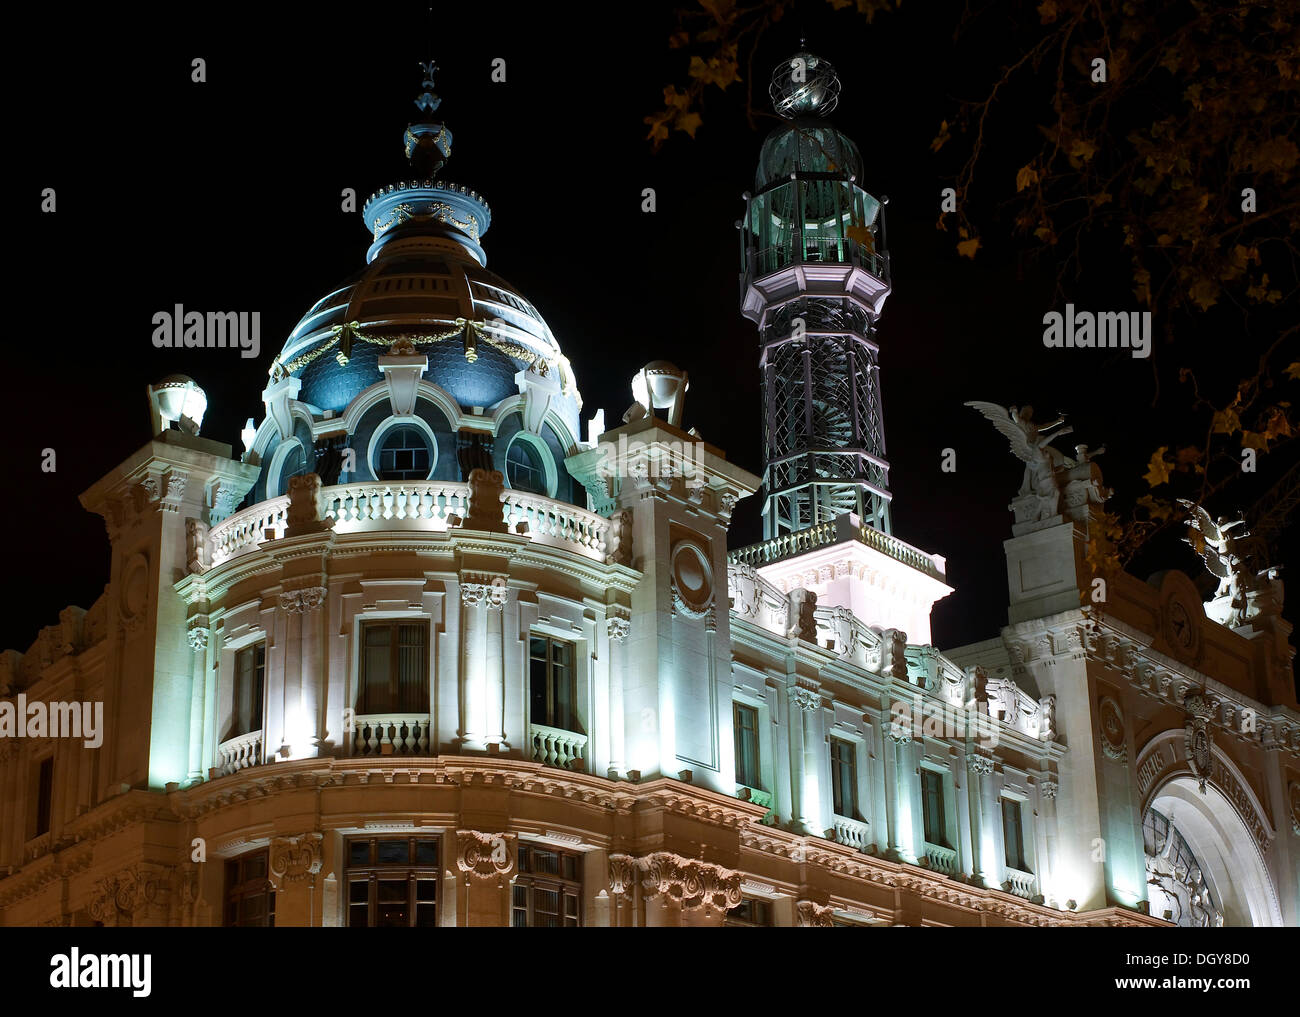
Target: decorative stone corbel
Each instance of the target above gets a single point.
(303, 600)
(196, 547)
(618, 624)
(486, 855)
(810, 914)
(620, 538)
(539, 386)
(294, 859)
(403, 367)
(277, 396)
(622, 873)
(689, 883)
(894, 660)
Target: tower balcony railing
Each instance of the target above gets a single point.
(787, 545)
(814, 251)
(431, 506)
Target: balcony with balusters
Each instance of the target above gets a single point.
(423, 506)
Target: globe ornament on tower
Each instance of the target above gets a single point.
(804, 86)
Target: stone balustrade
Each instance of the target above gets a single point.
(423, 505)
(941, 859)
(239, 753)
(850, 832)
(392, 734)
(1022, 884)
(426, 504)
(247, 528)
(556, 747)
(553, 522)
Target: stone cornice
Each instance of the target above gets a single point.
(1150, 673)
(218, 580)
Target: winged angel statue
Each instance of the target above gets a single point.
(1227, 558)
(1031, 443)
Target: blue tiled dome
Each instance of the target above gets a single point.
(419, 286)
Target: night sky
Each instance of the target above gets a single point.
(226, 196)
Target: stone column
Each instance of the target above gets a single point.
(494, 674)
(977, 767)
(473, 678)
(303, 672)
(1047, 789)
(198, 637)
(618, 625)
(804, 703)
(898, 736)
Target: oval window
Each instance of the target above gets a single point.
(404, 454)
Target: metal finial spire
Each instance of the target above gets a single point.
(428, 100)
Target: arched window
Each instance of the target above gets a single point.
(526, 468)
(404, 453)
(290, 460)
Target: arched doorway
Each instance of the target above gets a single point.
(1203, 865)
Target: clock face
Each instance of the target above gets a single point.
(1181, 626)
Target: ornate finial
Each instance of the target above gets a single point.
(428, 100)
(805, 85)
(427, 144)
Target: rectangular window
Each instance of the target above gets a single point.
(44, 795)
(1013, 835)
(745, 720)
(392, 882)
(552, 686)
(844, 778)
(394, 668)
(932, 808)
(250, 683)
(548, 889)
(250, 898)
(750, 912)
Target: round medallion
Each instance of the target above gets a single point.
(692, 580)
(1111, 722)
(135, 589)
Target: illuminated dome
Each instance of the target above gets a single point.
(424, 365)
(425, 285)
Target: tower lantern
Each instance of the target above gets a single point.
(815, 276)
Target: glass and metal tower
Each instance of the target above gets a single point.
(815, 276)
